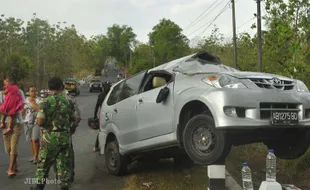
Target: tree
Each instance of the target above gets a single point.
(10, 38)
(142, 58)
(120, 38)
(168, 41)
(19, 67)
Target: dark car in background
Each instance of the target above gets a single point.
(95, 84)
(98, 72)
(72, 86)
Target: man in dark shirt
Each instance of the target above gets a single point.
(106, 88)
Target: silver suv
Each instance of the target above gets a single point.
(198, 106)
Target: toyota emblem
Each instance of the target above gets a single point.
(276, 81)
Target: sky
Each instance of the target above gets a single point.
(92, 17)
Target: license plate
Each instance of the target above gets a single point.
(284, 117)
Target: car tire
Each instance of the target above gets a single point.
(292, 147)
(115, 162)
(198, 152)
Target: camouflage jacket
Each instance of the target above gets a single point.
(57, 112)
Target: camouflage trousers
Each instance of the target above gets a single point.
(54, 148)
(71, 165)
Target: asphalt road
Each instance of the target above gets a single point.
(91, 172)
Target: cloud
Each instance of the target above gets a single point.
(144, 3)
(189, 6)
(93, 17)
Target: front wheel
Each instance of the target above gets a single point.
(203, 143)
(115, 162)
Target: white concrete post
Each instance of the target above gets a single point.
(216, 176)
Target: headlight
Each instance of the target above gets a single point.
(223, 81)
(301, 87)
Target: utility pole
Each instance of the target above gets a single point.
(130, 58)
(234, 33)
(152, 53)
(259, 35)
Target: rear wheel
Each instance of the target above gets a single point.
(115, 162)
(203, 143)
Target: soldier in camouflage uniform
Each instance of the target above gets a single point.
(55, 115)
(73, 128)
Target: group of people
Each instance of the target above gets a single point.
(49, 124)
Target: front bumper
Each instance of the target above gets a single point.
(251, 103)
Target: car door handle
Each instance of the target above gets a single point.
(140, 100)
(115, 110)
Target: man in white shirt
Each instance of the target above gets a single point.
(11, 140)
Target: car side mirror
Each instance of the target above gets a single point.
(162, 95)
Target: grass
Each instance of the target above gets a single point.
(295, 172)
(163, 176)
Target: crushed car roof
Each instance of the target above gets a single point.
(203, 57)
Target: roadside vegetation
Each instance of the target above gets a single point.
(288, 172)
(37, 49)
(164, 175)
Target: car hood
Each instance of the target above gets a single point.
(253, 75)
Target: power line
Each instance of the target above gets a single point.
(222, 11)
(246, 22)
(192, 23)
(209, 21)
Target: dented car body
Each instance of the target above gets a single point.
(200, 106)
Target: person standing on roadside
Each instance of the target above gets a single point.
(32, 130)
(106, 88)
(55, 115)
(11, 140)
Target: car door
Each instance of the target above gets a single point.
(122, 108)
(126, 108)
(154, 119)
(106, 112)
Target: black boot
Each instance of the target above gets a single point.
(38, 187)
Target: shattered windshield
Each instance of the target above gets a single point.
(198, 66)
